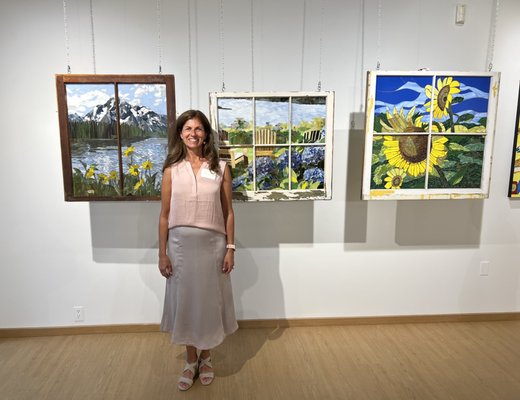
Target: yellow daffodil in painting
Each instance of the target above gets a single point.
(113, 175)
(394, 178)
(134, 170)
(147, 165)
(90, 173)
(138, 184)
(103, 178)
(409, 152)
(398, 122)
(129, 150)
(442, 96)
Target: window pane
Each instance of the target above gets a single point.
(456, 161)
(240, 159)
(271, 170)
(308, 116)
(272, 120)
(235, 119)
(93, 139)
(143, 119)
(460, 103)
(400, 104)
(399, 161)
(308, 163)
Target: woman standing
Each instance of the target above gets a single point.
(196, 246)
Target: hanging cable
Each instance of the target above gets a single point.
(252, 46)
(159, 26)
(67, 40)
(221, 28)
(303, 42)
(93, 38)
(189, 54)
(379, 13)
(321, 44)
(492, 34)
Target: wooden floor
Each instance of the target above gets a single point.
(474, 361)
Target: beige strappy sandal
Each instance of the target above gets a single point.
(206, 377)
(185, 383)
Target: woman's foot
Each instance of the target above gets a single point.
(188, 375)
(206, 373)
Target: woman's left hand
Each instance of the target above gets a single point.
(229, 261)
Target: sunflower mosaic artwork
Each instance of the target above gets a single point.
(429, 135)
(514, 187)
(278, 145)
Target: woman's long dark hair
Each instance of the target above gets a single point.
(177, 149)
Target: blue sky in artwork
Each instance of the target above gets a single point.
(408, 91)
(82, 97)
(272, 112)
(231, 109)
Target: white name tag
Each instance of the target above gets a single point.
(207, 173)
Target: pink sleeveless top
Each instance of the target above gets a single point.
(195, 200)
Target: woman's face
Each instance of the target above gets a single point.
(193, 134)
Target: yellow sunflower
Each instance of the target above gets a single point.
(147, 165)
(138, 184)
(113, 175)
(90, 173)
(103, 178)
(134, 170)
(394, 178)
(442, 96)
(398, 122)
(409, 152)
(129, 150)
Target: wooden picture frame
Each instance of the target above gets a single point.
(278, 144)
(114, 133)
(514, 179)
(429, 134)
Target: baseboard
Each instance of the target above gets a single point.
(265, 323)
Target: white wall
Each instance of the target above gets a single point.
(343, 257)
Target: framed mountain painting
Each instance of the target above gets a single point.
(278, 144)
(114, 134)
(429, 134)
(514, 187)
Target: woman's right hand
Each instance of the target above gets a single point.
(165, 266)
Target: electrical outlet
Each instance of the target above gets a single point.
(484, 268)
(79, 314)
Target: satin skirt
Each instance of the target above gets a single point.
(198, 303)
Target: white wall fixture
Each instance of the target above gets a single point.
(429, 134)
(460, 14)
(278, 144)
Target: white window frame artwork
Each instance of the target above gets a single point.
(292, 185)
(453, 132)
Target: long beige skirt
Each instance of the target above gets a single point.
(198, 304)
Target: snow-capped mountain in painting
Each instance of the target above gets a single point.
(133, 115)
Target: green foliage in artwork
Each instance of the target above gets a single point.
(138, 180)
(462, 167)
(273, 172)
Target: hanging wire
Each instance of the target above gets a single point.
(159, 26)
(221, 28)
(93, 38)
(189, 54)
(492, 35)
(67, 40)
(303, 42)
(379, 13)
(321, 44)
(252, 46)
